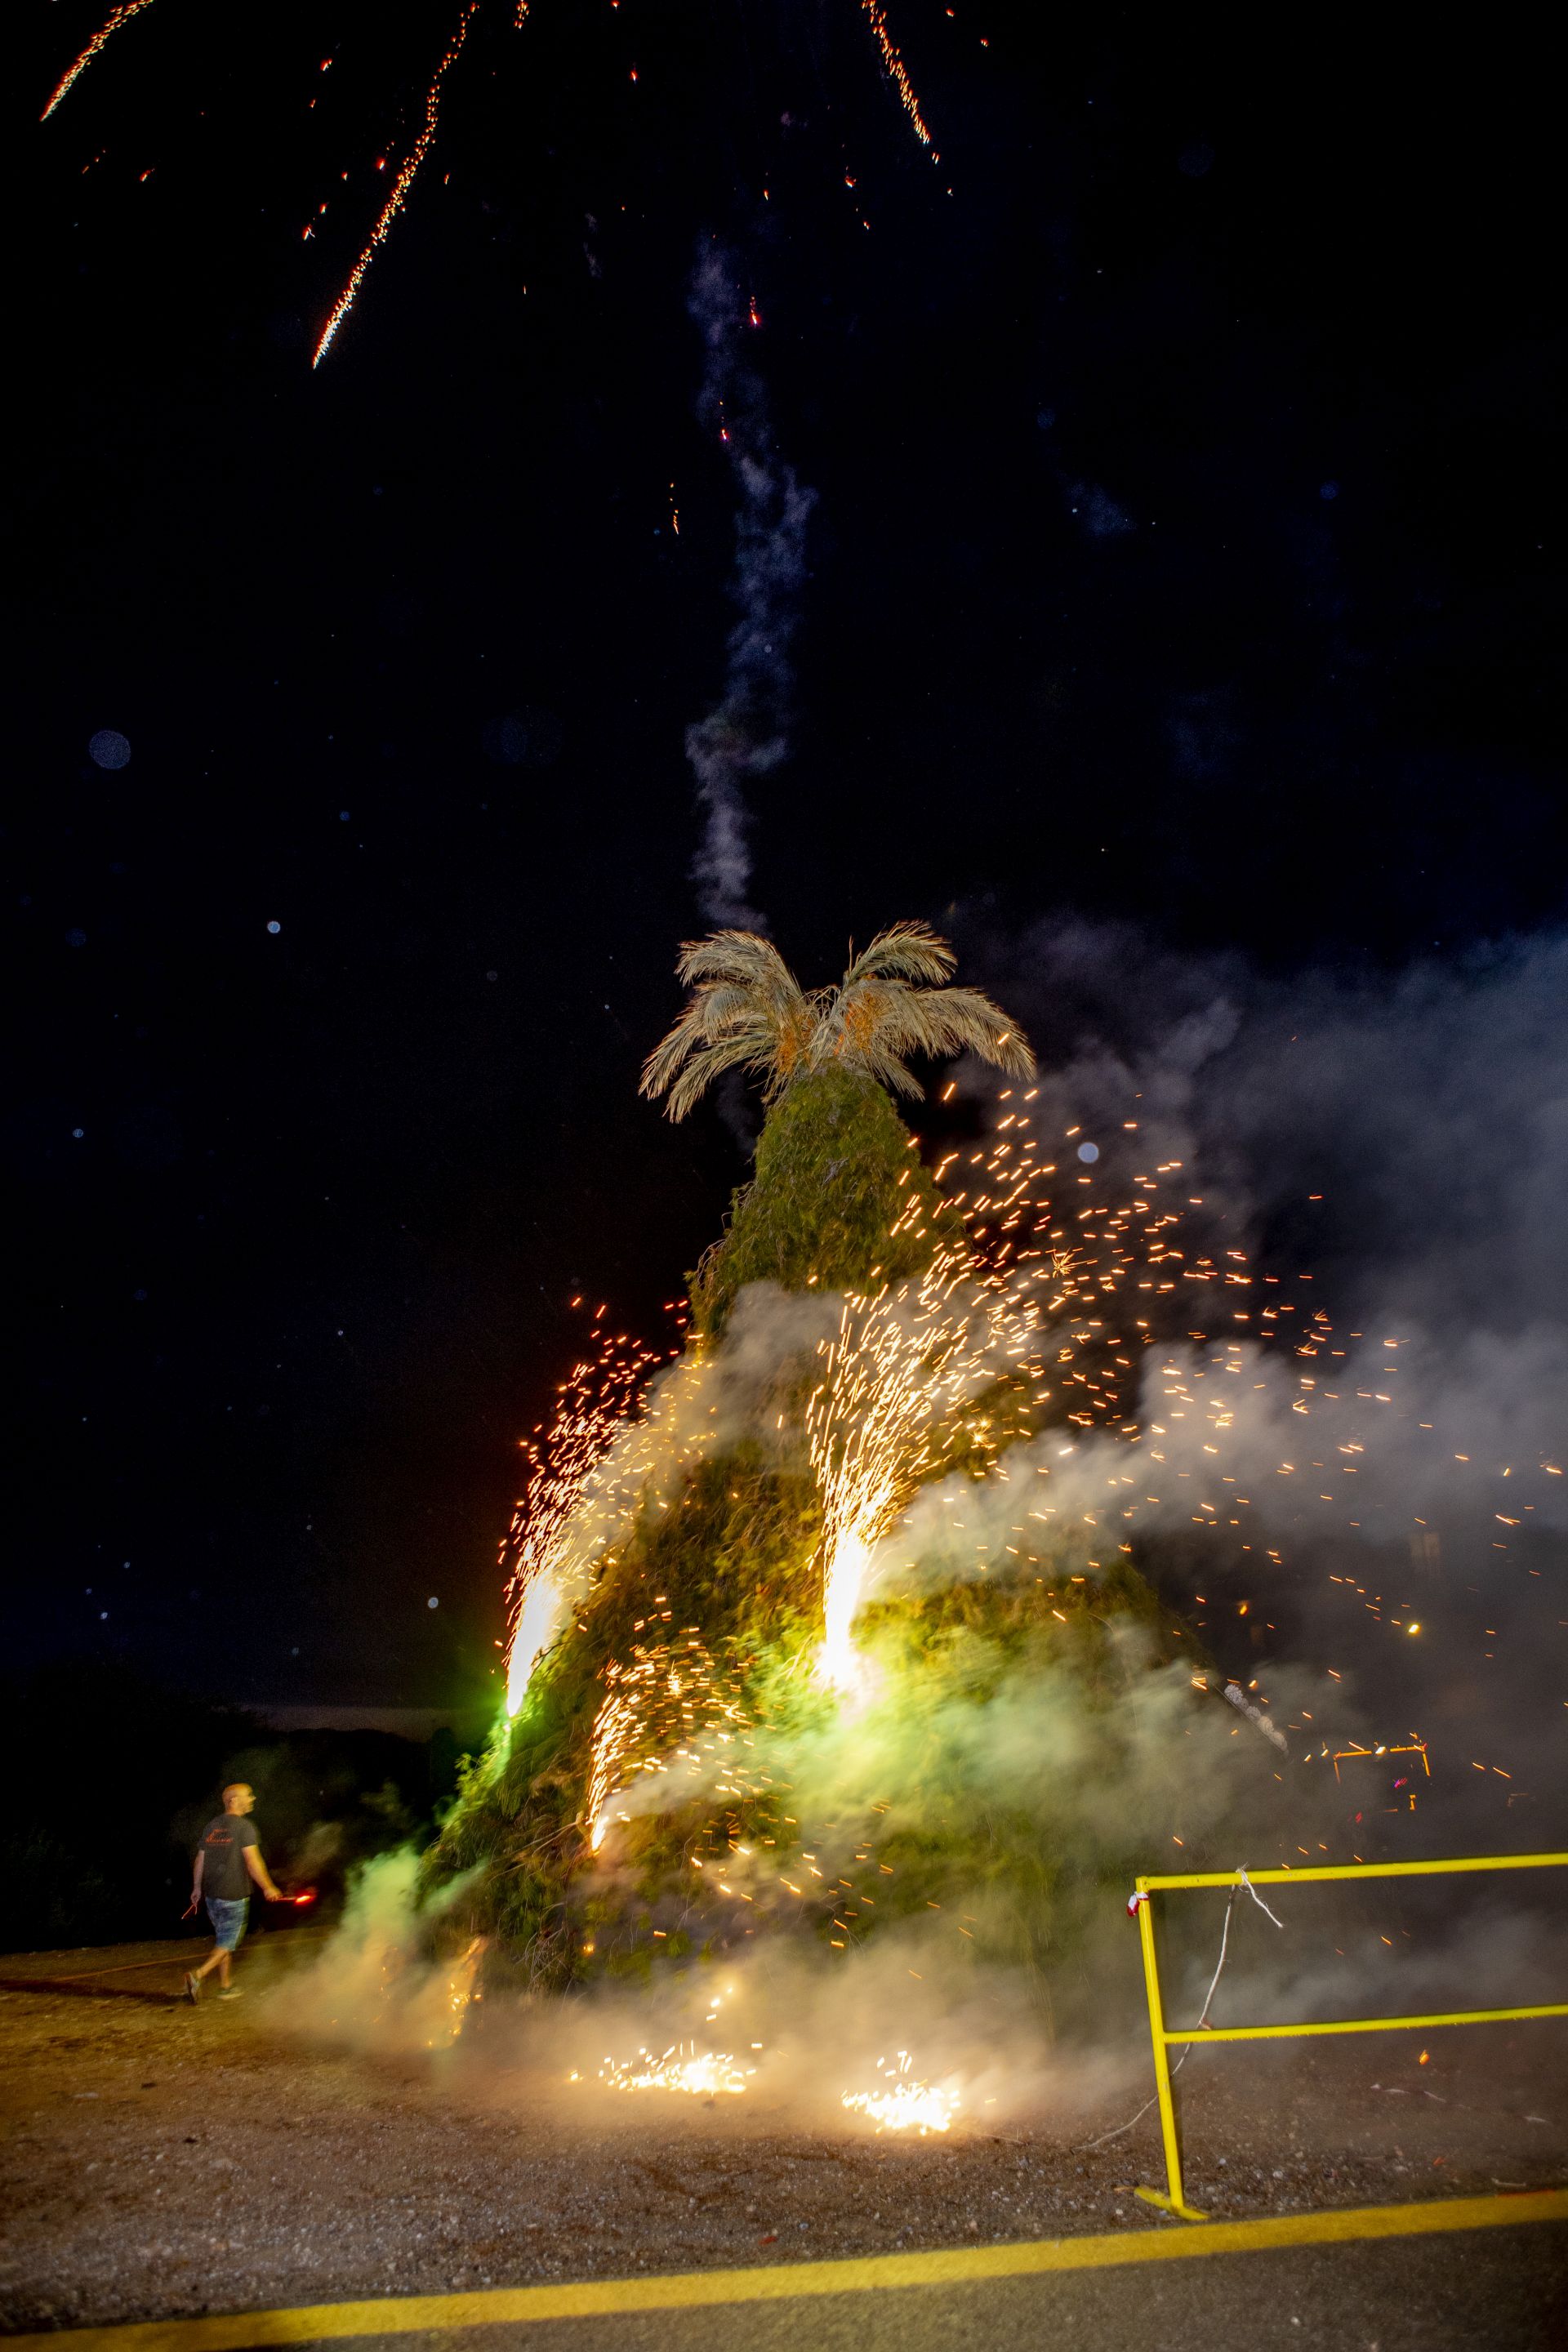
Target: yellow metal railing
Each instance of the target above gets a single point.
(1174, 2200)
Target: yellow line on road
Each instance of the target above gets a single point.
(784, 2282)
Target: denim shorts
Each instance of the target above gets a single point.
(228, 1920)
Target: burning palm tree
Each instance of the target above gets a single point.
(748, 1012)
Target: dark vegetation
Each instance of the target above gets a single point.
(110, 1778)
(835, 1168)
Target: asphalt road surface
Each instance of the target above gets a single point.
(166, 2165)
(1491, 2291)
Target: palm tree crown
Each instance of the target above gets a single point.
(748, 1012)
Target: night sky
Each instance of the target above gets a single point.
(1181, 443)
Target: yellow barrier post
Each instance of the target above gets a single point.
(1174, 2202)
(1233, 1880)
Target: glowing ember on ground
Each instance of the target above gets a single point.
(904, 2105)
(702, 2073)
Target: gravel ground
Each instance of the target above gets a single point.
(162, 2160)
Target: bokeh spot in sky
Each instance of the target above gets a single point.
(109, 748)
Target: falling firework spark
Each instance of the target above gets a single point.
(120, 16)
(1081, 1261)
(401, 186)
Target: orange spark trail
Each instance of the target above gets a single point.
(897, 74)
(401, 186)
(120, 16)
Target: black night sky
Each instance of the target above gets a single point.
(1182, 558)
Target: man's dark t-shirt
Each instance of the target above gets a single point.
(224, 1872)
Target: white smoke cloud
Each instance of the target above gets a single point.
(745, 734)
(1393, 1147)
(1404, 1138)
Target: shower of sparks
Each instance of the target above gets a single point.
(704, 2074)
(1068, 1269)
(1118, 1271)
(595, 1401)
(902, 2104)
(666, 1712)
(1081, 1255)
(877, 17)
(898, 1363)
(401, 186)
(120, 16)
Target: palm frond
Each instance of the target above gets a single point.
(710, 1063)
(689, 1031)
(875, 1020)
(747, 1010)
(903, 951)
(946, 1020)
(743, 957)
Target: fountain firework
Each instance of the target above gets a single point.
(598, 1399)
(902, 1362)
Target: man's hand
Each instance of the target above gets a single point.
(260, 1876)
(194, 1905)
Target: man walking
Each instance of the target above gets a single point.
(227, 1860)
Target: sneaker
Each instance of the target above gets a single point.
(193, 1986)
(231, 1992)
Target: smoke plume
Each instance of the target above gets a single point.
(1343, 1491)
(745, 734)
(1390, 1146)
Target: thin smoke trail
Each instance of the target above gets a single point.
(745, 734)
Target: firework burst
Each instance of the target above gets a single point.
(874, 10)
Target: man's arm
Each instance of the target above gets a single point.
(260, 1873)
(197, 1869)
